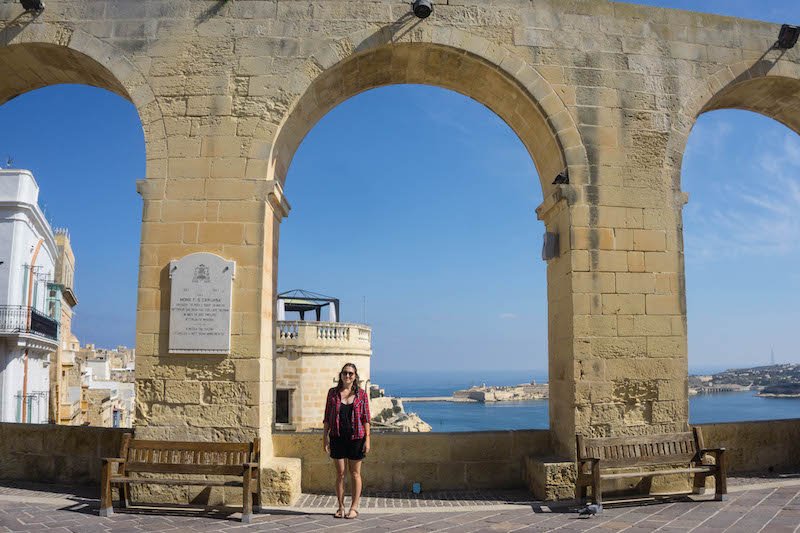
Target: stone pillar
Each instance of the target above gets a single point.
(211, 397)
(629, 315)
(616, 300)
(208, 397)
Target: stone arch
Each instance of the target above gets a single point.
(444, 57)
(37, 55)
(767, 87)
(490, 74)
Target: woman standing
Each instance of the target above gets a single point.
(346, 434)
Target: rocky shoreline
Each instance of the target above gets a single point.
(781, 391)
(389, 414)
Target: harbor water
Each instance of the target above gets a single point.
(474, 416)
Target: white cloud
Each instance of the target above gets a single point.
(756, 213)
(508, 316)
(709, 139)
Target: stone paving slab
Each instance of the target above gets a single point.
(772, 509)
(22, 490)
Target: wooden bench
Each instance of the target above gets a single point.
(199, 458)
(596, 456)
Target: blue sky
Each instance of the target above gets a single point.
(421, 200)
(85, 147)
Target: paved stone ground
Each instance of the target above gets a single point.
(407, 500)
(771, 507)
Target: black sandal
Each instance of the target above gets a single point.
(351, 511)
(339, 513)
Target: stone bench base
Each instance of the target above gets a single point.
(550, 478)
(280, 481)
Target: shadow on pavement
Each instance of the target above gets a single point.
(92, 507)
(573, 506)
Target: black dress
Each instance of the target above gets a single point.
(344, 446)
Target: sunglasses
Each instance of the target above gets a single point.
(346, 373)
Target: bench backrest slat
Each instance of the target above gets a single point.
(639, 450)
(175, 457)
(182, 468)
(189, 445)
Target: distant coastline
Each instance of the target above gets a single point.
(430, 397)
(436, 399)
(772, 381)
(487, 394)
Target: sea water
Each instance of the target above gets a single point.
(474, 416)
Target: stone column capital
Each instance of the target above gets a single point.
(150, 188)
(277, 200)
(559, 193)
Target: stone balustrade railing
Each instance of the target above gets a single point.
(323, 335)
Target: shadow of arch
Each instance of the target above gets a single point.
(457, 61)
(41, 55)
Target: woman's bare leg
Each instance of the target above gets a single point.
(355, 478)
(340, 471)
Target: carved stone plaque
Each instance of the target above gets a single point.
(200, 304)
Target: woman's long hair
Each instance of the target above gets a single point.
(356, 381)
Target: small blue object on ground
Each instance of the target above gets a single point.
(416, 488)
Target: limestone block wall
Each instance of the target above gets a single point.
(767, 446)
(227, 90)
(49, 453)
(52, 453)
(455, 461)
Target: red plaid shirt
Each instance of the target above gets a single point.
(361, 414)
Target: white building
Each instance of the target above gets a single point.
(100, 368)
(28, 336)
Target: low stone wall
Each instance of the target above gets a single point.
(49, 453)
(764, 446)
(492, 459)
(458, 461)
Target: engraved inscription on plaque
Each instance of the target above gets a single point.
(200, 304)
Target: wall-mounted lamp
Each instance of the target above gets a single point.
(32, 5)
(422, 8)
(787, 37)
(562, 178)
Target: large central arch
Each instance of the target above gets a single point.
(517, 94)
(512, 89)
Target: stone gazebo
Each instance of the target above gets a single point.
(309, 356)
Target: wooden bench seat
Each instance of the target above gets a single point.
(599, 458)
(183, 458)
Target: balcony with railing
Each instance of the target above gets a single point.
(32, 328)
(324, 337)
